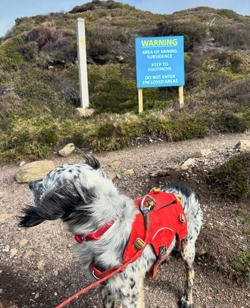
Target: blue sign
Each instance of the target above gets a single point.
(160, 61)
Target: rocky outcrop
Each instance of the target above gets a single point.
(34, 171)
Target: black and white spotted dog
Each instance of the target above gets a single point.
(86, 201)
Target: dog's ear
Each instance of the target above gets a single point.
(31, 217)
(91, 161)
(55, 204)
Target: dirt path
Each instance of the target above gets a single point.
(39, 267)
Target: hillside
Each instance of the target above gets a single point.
(39, 79)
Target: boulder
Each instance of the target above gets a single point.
(67, 150)
(34, 171)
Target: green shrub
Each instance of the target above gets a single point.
(11, 55)
(237, 92)
(231, 36)
(228, 122)
(98, 45)
(111, 137)
(228, 14)
(231, 180)
(41, 35)
(30, 50)
(193, 31)
(48, 136)
(241, 263)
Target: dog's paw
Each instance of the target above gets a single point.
(185, 304)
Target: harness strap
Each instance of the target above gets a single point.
(94, 236)
(99, 275)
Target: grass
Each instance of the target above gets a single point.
(104, 132)
(241, 263)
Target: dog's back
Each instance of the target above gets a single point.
(191, 206)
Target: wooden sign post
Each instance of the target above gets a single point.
(140, 100)
(181, 96)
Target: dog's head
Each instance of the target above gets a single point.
(67, 192)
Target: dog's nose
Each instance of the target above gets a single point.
(31, 185)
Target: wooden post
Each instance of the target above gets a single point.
(82, 63)
(140, 100)
(181, 96)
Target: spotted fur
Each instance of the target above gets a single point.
(85, 200)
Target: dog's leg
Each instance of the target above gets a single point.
(188, 255)
(135, 296)
(141, 301)
(131, 295)
(107, 298)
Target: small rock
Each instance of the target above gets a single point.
(6, 249)
(29, 253)
(120, 58)
(202, 153)
(4, 217)
(129, 172)
(189, 162)
(82, 112)
(22, 163)
(40, 264)
(23, 242)
(115, 164)
(112, 176)
(13, 252)
(67, 150)
(243, 145)
(118, 176)
(2, 193)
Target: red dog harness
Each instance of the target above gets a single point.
(161, 216)
(167, 223)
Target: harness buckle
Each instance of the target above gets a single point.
(156, 190)
(182, 218)
(93, 274)
(139, 243)
(147, 203)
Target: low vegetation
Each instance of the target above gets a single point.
(241, 263)
(231, 181)
(39, 88)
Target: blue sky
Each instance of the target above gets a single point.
(12, 9)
